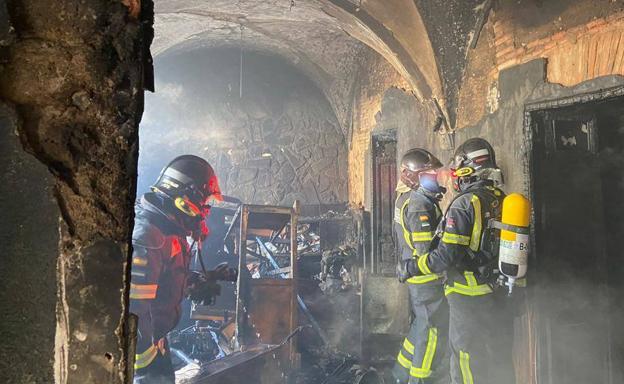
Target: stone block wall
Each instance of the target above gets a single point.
(278, 142)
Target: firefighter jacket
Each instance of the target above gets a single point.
(459, 251)
(160, 264)
(416, 217)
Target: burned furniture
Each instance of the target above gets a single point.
(266, 306)
(265, 312)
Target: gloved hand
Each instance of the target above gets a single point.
(224, 273)
(202, 289)
(407, 269)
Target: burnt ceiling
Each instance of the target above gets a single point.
(328, 39)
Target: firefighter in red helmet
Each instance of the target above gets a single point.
(174, 210)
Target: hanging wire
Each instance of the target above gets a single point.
(240, 78)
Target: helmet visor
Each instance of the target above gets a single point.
(214, 190)
(429, 180)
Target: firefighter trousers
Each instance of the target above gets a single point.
(159, 371)
(481, 337)
(423, 357)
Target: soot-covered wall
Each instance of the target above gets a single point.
(520, 87)
(30, 239)
(197, 109)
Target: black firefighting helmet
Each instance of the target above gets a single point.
(414, 162)
(191, 182)
(474, 160)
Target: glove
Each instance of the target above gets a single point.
(407, 269)
(201, 289)
(224, 273)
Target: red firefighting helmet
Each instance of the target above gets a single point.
(191, 182)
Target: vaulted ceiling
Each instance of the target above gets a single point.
(327, 39)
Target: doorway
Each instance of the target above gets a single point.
(578, 195)
(384, 179)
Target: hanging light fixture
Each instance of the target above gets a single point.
(266, 153)
(240, 77)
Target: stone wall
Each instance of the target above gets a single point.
(279, 142)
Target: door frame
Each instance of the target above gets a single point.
(531, 348)
(389, 136)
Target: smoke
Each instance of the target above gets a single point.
(281, 141)
(576, 271)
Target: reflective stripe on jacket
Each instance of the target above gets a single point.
(160, 264)
(415, 220)
(459, 250)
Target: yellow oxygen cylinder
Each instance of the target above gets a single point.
(513, 253)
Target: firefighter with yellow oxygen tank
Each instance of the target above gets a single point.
(481, 322)
(422, 358)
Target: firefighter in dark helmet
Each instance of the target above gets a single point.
(422, 357)
(174, 210)
(479, 333)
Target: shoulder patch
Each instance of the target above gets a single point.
(450, 222)
(147, 235)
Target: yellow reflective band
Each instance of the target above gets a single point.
(470, 279)
(139, 261)
(464, 366)
(475, 238)
(406, 234)
(466, 291)
(409, 347)
(144, 359)
(422, 236)
(405, 363)
(472, 287)
(401, 188)
(423, 279)
(422, 264)
(452, 238)
(143, 291)
(425, 369)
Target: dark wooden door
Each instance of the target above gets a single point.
(384, 179)
(572, 299)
